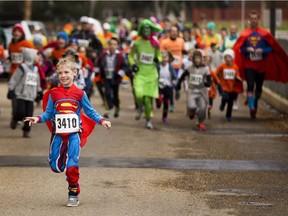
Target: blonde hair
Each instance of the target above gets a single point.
(68, 61)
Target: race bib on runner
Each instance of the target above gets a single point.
(66, 123)
(176, 60)
(229, 74)
(31, 79)
(196, 79)
(255, 56)
(83, 42)
(16, 58)
(146, 58)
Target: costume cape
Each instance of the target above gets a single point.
(277, 60)
(87, 123)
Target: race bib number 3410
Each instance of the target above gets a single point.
(66, 123)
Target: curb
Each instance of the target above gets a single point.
(278, 102)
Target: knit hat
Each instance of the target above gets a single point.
(211, 26)
(229, 52)
(74, 40)
(62, 35)
(19, 28)
(29, 55)
(84, 19)
(37, 40)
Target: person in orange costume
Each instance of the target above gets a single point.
(228, 74)
(15, 46)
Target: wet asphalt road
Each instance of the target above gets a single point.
(234, 168)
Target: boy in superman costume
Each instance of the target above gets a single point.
(69, 127)
(259, 57)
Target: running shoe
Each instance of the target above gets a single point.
(201, 127)
(73, 201)
(13, 124)
(116, 113)
(222, 107)
(235, 106)
(191, 115)
(26, 134)
(171, 108)
(139, 112)
(165, 120)
(149, 124)
(209, 113)
(253, 113)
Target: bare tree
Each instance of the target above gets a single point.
(27, 10)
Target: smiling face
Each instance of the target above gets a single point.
(17, 34)
(66, 72)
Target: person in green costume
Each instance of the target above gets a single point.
(144, 53)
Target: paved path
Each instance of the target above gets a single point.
(234, 168)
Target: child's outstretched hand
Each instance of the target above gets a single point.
(106, 124)
(31, 120)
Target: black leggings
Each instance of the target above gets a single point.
(24, 108)
(228, 97)
(254, 78)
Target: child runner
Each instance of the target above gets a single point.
(199, 79)
(228, 73)
(112, 65)
(67, 125)
(212, 90)
(167, 79)
(24, 86)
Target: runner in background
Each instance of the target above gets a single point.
(141, 58)
(176, 46)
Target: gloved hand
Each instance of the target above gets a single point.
(11, 94)
(134, 68)
(39, 96)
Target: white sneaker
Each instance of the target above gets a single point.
(149, 125)
(139, 112)
(73, 201)
(235, 106)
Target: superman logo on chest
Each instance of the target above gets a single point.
(254, 40)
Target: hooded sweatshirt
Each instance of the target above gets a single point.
(25, 80)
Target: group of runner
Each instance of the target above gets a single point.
(157, 57)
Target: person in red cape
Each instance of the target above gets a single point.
(259, 57)
(63, 107)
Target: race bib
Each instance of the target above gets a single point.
(146, 58)
(162, 83)
(229, 74)
(83, 42)
(196, 79)
(255, 56)
(176, 60)
(16, 58)
(31, 79)
(66, 123)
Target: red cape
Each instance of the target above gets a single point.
(87, 123)
(277, 60)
